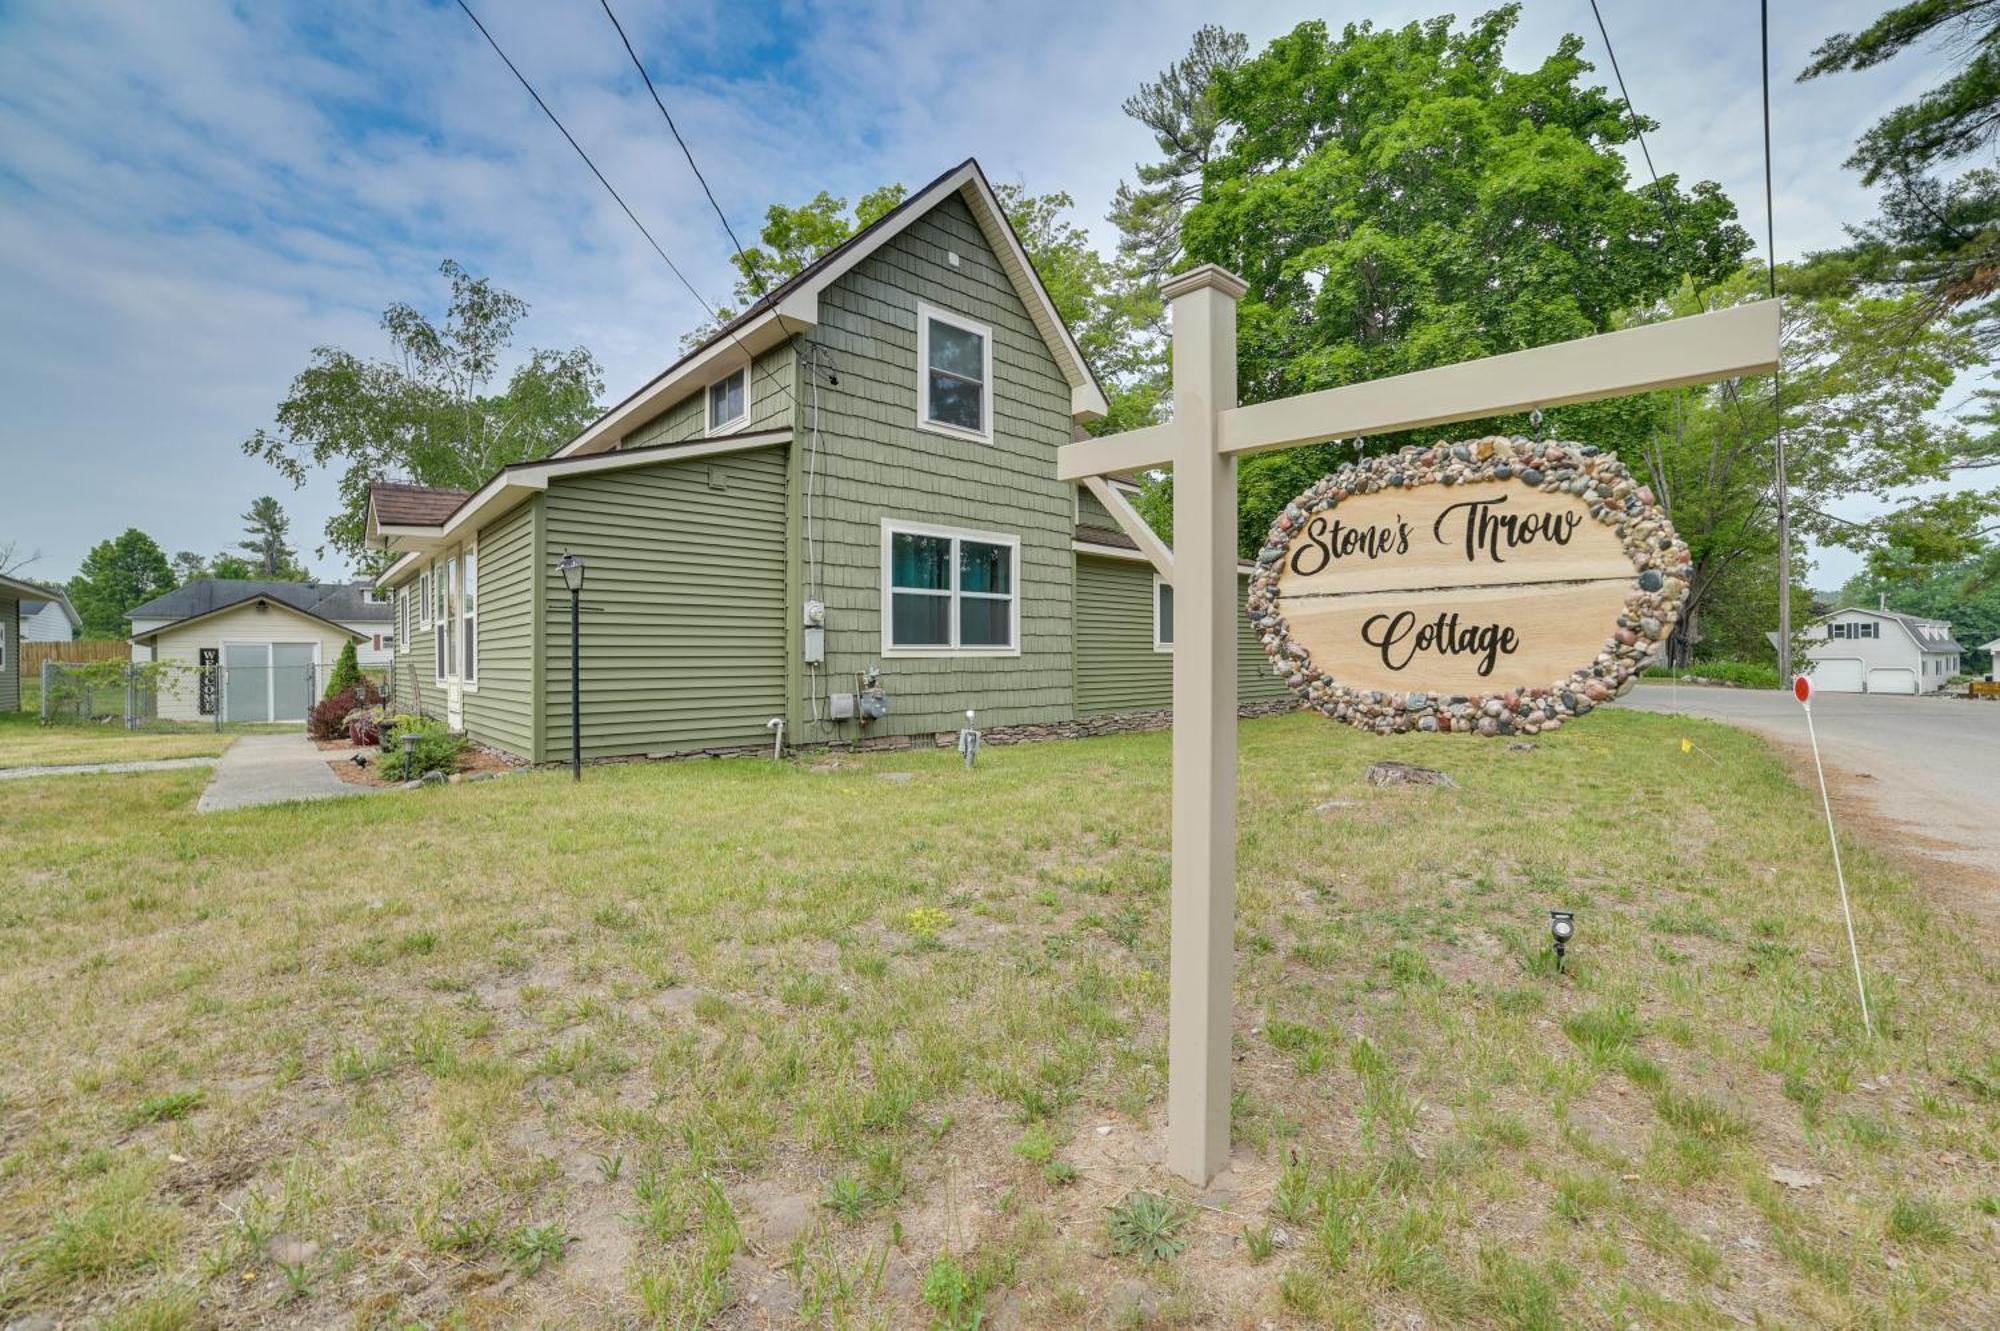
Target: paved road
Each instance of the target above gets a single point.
(1934, 762)
(271, 769)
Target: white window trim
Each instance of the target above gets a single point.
(424, 599)
(440, 628)
(926, 313)
(1159, 582)
(741, 422)
(891, 527)
(468, 624)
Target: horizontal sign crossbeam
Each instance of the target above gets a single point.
(1703, 348)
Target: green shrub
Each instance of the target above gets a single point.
(346, 673)
(437, 749)
(1743, 674)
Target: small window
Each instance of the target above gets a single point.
(949, 593)
(1839, 630)
(1163, 615)
(469, 615)
(729, 402)
(954, 374)
(424, 599)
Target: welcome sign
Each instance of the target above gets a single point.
(1497, 586)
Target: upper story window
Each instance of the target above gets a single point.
(1163, 614)
(954, 375)
(949, 593)
(729, 402)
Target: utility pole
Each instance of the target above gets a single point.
(1777, 380)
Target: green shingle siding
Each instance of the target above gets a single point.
(684, 630)
(874, 462)
(501, 710)
(1090, 513)
(770, 405)
(10, 646)
(1117, 669)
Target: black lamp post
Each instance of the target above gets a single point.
(571, 568)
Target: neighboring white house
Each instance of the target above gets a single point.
(258, 651)
(1879, 651)
(53, 620)
(1992, 650)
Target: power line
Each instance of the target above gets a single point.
(723, 217)
(585, 156)
(1616, 73)
(1778, 381)
(522, 78)
(750, 273)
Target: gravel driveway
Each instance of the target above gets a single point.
(1933, 763)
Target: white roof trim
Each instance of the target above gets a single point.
(525, 478)
(799, 309)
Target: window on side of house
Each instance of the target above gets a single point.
(469, 615)
(954, 375)
(949, 593)
(729, 402)
(1163, 614)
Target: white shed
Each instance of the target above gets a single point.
(1853, 650)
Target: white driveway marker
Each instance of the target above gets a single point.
(1802, 690)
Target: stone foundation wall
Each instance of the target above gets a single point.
(1089, 727)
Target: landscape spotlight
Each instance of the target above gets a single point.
(1562, 927)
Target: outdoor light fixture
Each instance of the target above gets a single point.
(571, 568)
(1562, 928)
(409, 752)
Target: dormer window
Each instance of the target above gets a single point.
(954, 375)
(729, 402)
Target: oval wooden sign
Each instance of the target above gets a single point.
(1497, 586)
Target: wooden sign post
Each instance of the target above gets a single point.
(1201, 444)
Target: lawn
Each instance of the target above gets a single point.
(26, 742)
(875, 1041)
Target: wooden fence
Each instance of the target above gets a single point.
(83, 649)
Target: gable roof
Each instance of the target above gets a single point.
(335, 602)
(794, 304)
(29, 608)
(268, 602)
(33, 596)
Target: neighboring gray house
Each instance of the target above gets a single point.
(1879, 651)
(52, 620)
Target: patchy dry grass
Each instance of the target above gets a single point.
(25, 742)
(739, 1044)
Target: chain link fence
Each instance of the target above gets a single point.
(217, 693)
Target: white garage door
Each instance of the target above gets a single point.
(1888, 679)
(1840, 674)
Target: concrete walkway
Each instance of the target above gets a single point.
(272, 769)
(92, 769)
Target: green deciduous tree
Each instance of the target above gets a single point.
(119, 573)
(1399, 199)
(267, 541)
(429, 414)
(1861, 393)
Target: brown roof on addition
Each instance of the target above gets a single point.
(1090, 535)
(398, 504)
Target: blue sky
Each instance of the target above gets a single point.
(194, 195)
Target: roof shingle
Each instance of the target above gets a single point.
(399, 504)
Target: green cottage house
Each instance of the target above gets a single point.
(841, 511)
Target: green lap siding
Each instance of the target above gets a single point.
(871, 461)
(770, 405)
(500, 709)
(683, 638)
(1117, 669)
(10, 647)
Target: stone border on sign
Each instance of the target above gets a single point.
(1660, 564)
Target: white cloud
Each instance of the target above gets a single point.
(193, 196)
